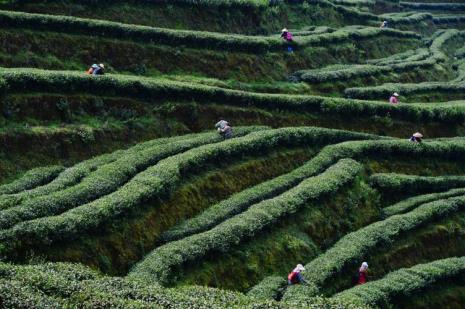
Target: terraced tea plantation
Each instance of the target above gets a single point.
(116, 190)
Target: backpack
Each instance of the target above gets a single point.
(355, 278)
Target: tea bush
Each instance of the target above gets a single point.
(404, 282)
(31, 179)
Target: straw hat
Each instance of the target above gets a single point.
(395, 94)
(418, 134)
(284, 30)
(102, 65)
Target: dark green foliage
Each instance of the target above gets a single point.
(20, 80)
(384, 91)
(123, 204)
(225, 3)
(242, 200)
(155, 181)
(393, 184)
(196, 39)
(160, 264)
(270, 288)
(448, 19)
(411, 55)
(59, 285)
(357, 245)
(411, 203)
(404, 282)
(105, 180)
(434, 6)
(417, 61)
(74, 175)
(454, 87)
(33, 178)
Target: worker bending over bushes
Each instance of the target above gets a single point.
(394, 99)
(287, 36)
(224, 128)
(96, 69)
(295, 276)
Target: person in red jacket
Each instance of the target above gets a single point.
(363, 273)
(296, 275)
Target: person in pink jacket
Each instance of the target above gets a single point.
(394, 99)
(287, 36)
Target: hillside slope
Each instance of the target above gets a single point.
(116, 190)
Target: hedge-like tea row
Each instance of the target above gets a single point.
(393, 19)
(239, 202)
(73, 175)
(452, 149)
(226, 3)
(158, 266)
(449, 19)
(146, 34)
(384, 91)
(313, 30)
(455, 86)
(195, 39)
(31, 179)
(354, 33)
(391, 183)
(71, 224)
(104, 180)
(360, 71)
(355, 2)
(437, 45)
(411, 203)
(269, 288)
(422, 61)
(68, 177)
(435, 50)
(461, 71)
(411, 55)
(404, 282)
(359, 149)
(354, 71)
(349, 12)
(373, 19)
(403, 19)
(460, 53)
(59, 285)
(434, 6)
(30, 80)
(66, 284)
(156, 181)
(449, 149)
(355, 246)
